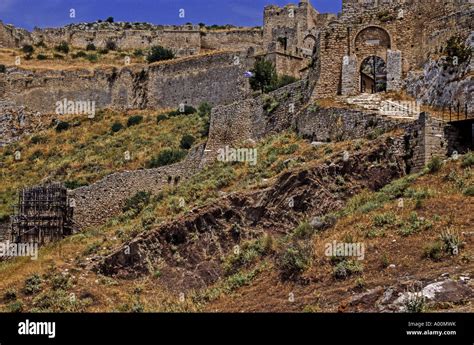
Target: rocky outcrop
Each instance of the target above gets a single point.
(16, 121)
(397, 298)
(441, 84)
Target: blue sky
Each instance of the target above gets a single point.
(53, 13)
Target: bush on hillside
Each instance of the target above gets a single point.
(158, 53)
(63, 47)
(28, 49)
(187, 141)
(166, 157)
(134, 120)
(90, 46)
(116, 127)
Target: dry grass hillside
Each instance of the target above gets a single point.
(79, 151)
(406, 244)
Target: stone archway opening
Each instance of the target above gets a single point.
(373, 75)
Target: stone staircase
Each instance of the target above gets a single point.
(406, 110)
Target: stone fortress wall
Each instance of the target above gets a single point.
(167, 84)
(183, 40)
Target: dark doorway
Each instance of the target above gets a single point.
(373, 75)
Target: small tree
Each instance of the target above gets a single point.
(28, 49)
(264, 76)
(204, 109)
(110, 20)
(90, 46)
(63, 47)
(110, 45)
(457, 50)
(187, 141)
(158, 53)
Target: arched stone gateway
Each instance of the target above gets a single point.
(369, 42)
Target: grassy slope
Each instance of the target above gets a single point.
(257, 286)
(74, 252)
(433, 203)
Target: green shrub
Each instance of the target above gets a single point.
(28, 49)
(15, 307)
(58, 56)
(79, 54)
(415, 303)
(347, 268)
(385, 16)
(384, 219)
(166, 157)
(456, 48)
(41, 57)
(187, 141)
(92, 57)
(433, 251)
(187, 110)
(249, 252)
(161, 117)
(451, 242)
(435, 164)
(134, 120)
(110, 45)
(285, 80)
(38, 139)
(63, 47)
(110, 20)
(3, 68)
(303, 230)
(294, 260)
(158, 53)
(469, 191)
(116, 127)
(270, 104)
(32, 284)
(103, 51)
(90, 46)
(62, 126)
(10, 295)
(264, 76)
(204, 110)
(138, 53)
(468, 160)
(137, 202)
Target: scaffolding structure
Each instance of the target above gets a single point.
(43, 215)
